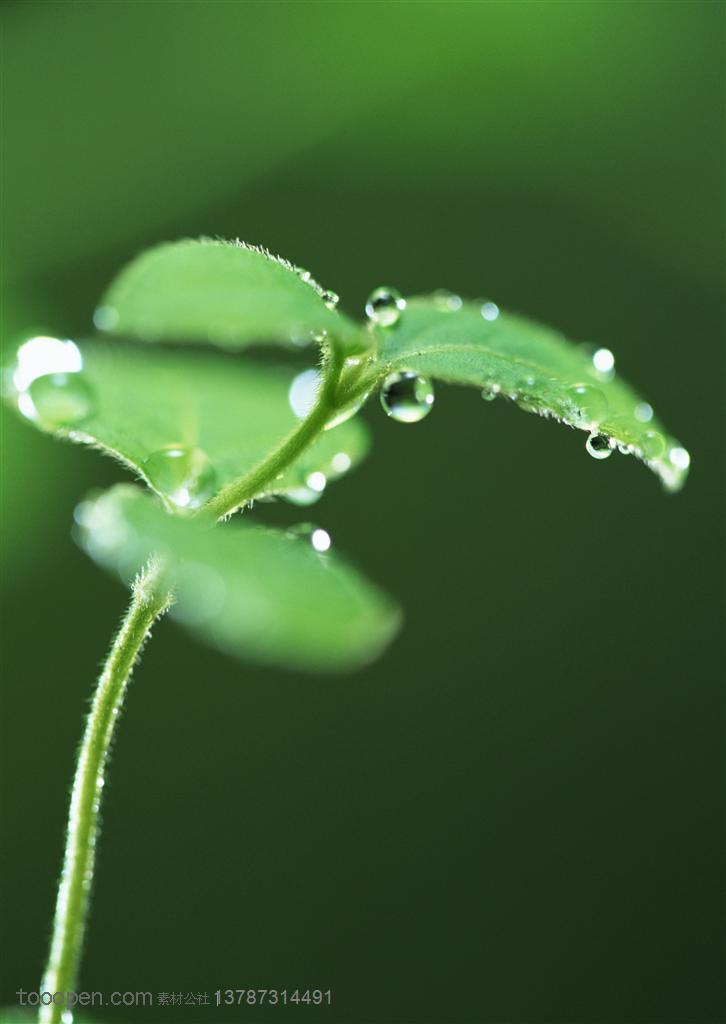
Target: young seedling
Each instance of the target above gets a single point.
(209, 433)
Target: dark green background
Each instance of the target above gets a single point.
(517, 815)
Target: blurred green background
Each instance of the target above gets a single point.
(517, 815)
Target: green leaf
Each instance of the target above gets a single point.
(222, 415)
(533, 365)
(248, 590)
(227, 293)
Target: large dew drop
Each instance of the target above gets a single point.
(384, 307)
(599, 446)
(590, 404)
(407, 397)
(184, 475)
(59, 399)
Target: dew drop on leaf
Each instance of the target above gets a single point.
(599, 446)
(105, 318)
(590, 404)
(652, 444)
(604, 362)
(182, 474)
(330, 299)
(316, 481)
(384, 306)
(302, 496)
(42, 355)
(341, 462)
(490, 310)
(407, 397)
(643, 412)
(680, 457)
(490, 392)
(317, 537)
(303, 392)
(447, 302)
(59, 399)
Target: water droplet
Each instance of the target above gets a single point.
(43, 355)
(407, 397)
(302, 496)
(384, 306)
(182, 474)
(679, 457)
(330, 299)
(105, 318)
(490, 310)
(599, 446)
(652, 444)
(318, 538)
(643, 412)
(59, 399)
(316, 481)
(604, 362)
(303, 392)
(447, 302)
(490, 392)
(341, 462)
(590, 403)
(303, 274)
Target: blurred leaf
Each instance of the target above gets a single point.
(533, 365)
(247, 590)
(187, 422)
(227, 293)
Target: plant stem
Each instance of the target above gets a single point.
(150, 600)
(237, 494)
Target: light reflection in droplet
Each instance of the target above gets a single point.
(105, 318)
(490, 311)
(341, 462)
(302, 496)
(43, 355)
(304, 392)
(643, 412)
(680, 457)
(604, 361)
(447, 302)
(316, 482)
(320, 540)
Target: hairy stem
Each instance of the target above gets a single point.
(237, 494)
(150, 600)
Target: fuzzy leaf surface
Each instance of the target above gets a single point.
(145, 400)
(533, 365)
(226, 293)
